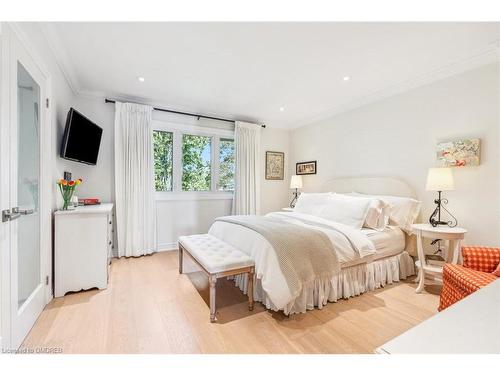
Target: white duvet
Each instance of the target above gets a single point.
(350, 244)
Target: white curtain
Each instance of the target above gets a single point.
(247, 174)
(134, 180)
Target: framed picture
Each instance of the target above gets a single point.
(460, 153)
(305, 167)
(275, 165)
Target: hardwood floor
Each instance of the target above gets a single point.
(150, 308)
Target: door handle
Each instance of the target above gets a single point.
(24, 212)
(9, 216)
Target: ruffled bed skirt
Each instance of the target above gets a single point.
(350, 282)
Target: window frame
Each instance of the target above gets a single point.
(178, 130)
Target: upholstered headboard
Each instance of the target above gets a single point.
(378, 186)
(370, 185)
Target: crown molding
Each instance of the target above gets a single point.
(487, 56)
(17, 28)
(57, 48)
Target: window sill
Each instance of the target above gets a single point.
(193, 196)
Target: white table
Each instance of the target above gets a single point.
(470, 326)
(454, 236)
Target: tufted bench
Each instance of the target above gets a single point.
(217, 259)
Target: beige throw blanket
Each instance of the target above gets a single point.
(304, 254)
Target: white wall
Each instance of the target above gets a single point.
(174, 218)
(98, 180)
(397, 137)
(275, 194)
(62, 97)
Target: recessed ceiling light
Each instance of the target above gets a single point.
(140, 79)
(282, 109)
(346, 78)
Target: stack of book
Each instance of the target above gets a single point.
(434, 260)
(88, 201)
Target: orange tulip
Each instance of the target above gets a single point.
(64, 182)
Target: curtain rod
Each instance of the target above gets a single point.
(185, 113)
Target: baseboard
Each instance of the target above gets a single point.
(166, 246)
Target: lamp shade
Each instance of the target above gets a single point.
(296, 182)
(440, 179)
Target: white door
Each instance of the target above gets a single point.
(25, 216)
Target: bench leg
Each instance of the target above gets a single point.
(250, 289)
(213, 283)
(181, 250)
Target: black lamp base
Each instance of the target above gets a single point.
(437, 213)
(294, 200)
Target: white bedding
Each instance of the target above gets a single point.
(350, 244)
(389, 242)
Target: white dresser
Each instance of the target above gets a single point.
(83, 248)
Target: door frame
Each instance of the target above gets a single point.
(7, 32)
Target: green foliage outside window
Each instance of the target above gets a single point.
(163, 155)
(196, 166)
(226, 164)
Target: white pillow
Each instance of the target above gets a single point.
(345, 209)
(311, 203)
(378, 213)
(403, 211)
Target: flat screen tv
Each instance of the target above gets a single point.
(81, 139)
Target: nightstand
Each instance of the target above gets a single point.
(453, 235)
(287, 209)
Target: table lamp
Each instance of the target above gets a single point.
(440, 179)
(295, 183)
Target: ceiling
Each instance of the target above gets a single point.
(249, 71)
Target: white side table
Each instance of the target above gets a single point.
(453, 235)
(287, 209)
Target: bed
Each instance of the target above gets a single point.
(367, 258)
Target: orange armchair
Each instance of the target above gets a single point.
(476, 272)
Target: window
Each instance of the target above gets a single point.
(226, 165)
(196, 163)
(193, 162)
(163, 160)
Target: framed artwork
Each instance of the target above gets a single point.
(460, 153)
(305, 167)
(275, 165)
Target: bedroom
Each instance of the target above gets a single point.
(249, 187)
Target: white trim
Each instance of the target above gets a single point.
(166, 246)
(5, 329)
(45, 157)
(51, 35)
(171, 126)
(178, 129)
(32, 62)
(193, 195)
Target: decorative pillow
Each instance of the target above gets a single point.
(311, 203)
(403, 211)
(347, 210)
(497, 271)
(378, 213)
